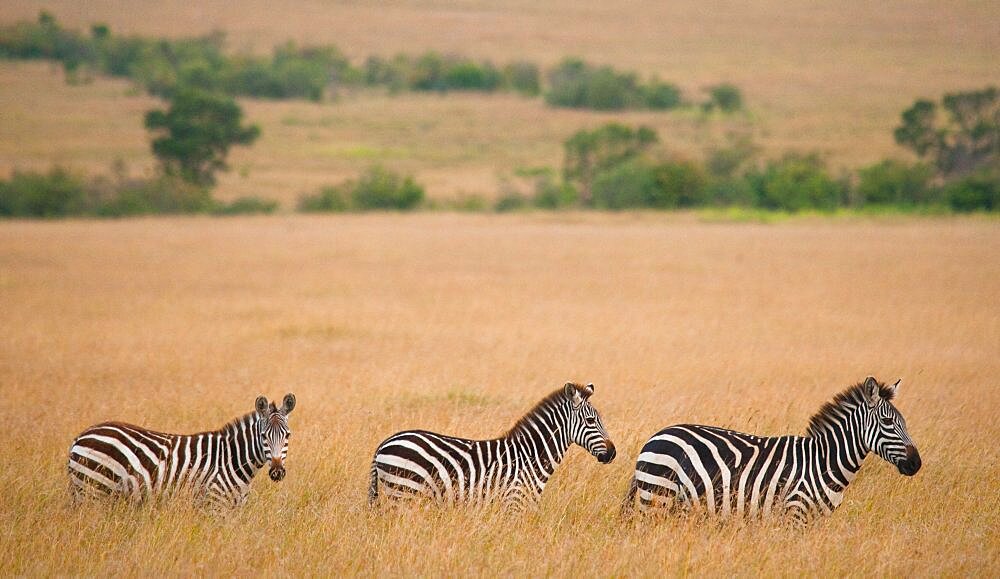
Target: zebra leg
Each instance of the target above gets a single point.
(662, 496)
(628, 505)
(373, 486)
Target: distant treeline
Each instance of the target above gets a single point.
(163, 66)
(620, 167)
(63, 193)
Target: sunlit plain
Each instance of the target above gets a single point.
(461, 323)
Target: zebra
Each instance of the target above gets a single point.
(511, 470)
(115, 459)
(731, 473)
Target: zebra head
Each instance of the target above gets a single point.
(585, 426)
(272, 424)
(885, 428)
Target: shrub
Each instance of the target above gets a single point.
(731, 191)
(523, 77)
(389, 73)
(589, 152)
(380, 188)
(724, 97)
(895, 182)
(57, 193)
(627, 185)
(576, 84)
(661, 95)
(246, 206)
(163, 195)
(680, 184)
(797, 182)
(552, 194)
(510, 201)
(377, 189)
(467, 75)
(329, 199)
(736, 156)
(978, 192)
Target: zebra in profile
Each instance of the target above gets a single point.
(731, 473)
(122, 460)
(511, 470)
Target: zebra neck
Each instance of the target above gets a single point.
(841, 448)
(244, 454)
(541, 440)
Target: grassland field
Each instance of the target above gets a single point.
(459, 323)
(816, 76)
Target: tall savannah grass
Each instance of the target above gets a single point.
(460, 323)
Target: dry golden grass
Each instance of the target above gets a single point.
(459, 324)
(817, 75)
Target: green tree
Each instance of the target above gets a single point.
(193, 136)
(964, 140)
(591, 152)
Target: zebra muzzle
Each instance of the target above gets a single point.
(608, 455)
(911, 464)
(277, 471)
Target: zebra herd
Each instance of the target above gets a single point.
(681, 468)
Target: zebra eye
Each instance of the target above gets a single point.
(886, 421)
(590, 420)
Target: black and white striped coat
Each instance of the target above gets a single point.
(512, 469)
(122, 460)
(732, 473)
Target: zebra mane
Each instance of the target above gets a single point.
(550, 400)
(849, 399)
(234, 424)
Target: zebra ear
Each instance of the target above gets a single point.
(289, 403)
(870, 389)
(573, 393)
(261, 405)
(590, 389)
(895, 387)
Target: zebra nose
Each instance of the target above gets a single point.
(912, 463)
(277, 470)
(608, 455)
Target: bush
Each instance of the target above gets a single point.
(57, 193)
(979, 192)
(377, 189)
(736, 156)
(631, 184)
(510, 201)
(797, 182)
(576, 84)
(467, 75)
(680, 184)
(589, 152)
(552, 194)
(893, 182)
(661, 95)
(724, 97)
(380, 188)
(246, 206)
(163, 195)
(329, 199)
(731, 191)
(523, 77)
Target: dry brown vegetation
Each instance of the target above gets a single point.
(460, 323)
(827, 76)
